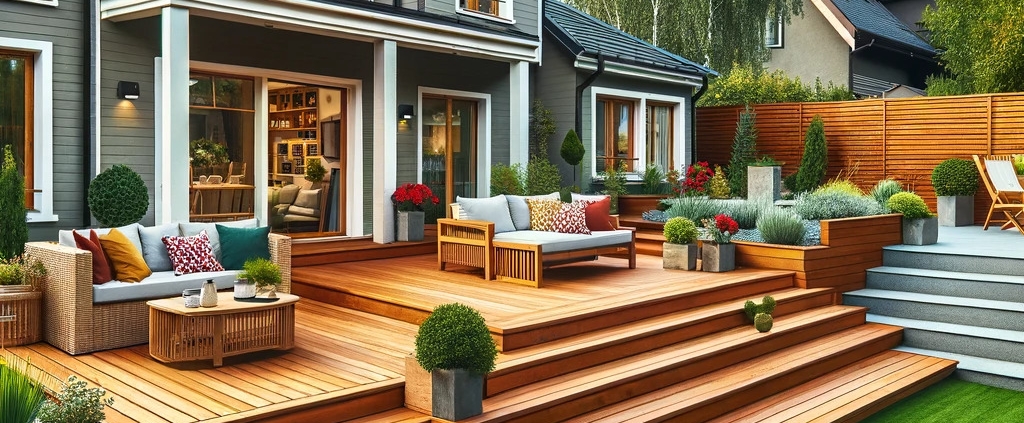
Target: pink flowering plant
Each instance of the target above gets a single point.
(721, 228)
(410, 197)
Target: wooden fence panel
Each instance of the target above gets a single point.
(874, 139)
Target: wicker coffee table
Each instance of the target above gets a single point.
(177, 333)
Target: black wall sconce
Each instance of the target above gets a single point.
(128, 90)
(405, 112)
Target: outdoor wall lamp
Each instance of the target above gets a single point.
(128, 90)
(405, 112)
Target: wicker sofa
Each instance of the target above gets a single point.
(520, 256)
(77, 323)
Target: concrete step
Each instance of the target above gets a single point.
(997, 344)
(1004, 374)
(940, 308)
(952, 261)
(944, 282)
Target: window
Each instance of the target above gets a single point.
(615, 130)
(773, 32)
(16, 120)
(659, 135)
(493, 8)
(42, 2)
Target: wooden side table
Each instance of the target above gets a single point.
(177, 333)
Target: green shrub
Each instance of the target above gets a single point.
(789, 182)
(680, 230)
(264, 273)
(840, 185)
(778, 226)
(938, 85)
(455, 336)
(755, 85)
(572, 151)
(21, 395)
(118, 196)
(763, 322)
(744, 212)
(615, 185)
(75, 404)
(1018, 163)
(835, 205)
(542, 177)
(718, 187)
(766, 161)
(507, 179)
(744, 148)
(542, 126)
(652, 180)
(955, 177)
(315, 171)
(767, 306)
(909, 204)
(13, 214)
(885, 189)
(11, 272)
(814, 162)
(693, 208)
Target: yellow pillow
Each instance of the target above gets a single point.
(542, 213)
(126, 260)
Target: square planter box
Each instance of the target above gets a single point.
(955, 210)
(679, 256)
(20, 315)
(764, 183)
(921, 231)
(718, 257)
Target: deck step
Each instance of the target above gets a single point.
(796, 350)
(849, 394)
(943, 282)
(940, 308)
(528, 365)
(987, 371)
(998, 344)
(398, 415)
(952, 261)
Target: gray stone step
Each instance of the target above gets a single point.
(944, 282)
(997, 344)
(940, 308)
(952, 261)
(1003, 374)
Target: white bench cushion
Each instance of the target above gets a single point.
(159, 285)
(553, 242)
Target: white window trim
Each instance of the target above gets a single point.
(42, 129)
(483, 139)
(640, 100)
(778, 22)
(41, 2)
(507, 14)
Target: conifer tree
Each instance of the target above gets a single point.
(744, 151)
(814, 163)
(13, 226)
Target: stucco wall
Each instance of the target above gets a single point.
(812, 48)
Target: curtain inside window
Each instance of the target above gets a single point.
(659, 138)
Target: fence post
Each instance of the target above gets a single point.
(989, 124)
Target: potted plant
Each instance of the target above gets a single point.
(21, 295)
(118, 196)
(455, 346)
(955, 182)
(315, 173)
(265, 274)
(920, 227)
(615, 185)
(717, 253)
(653, 189)
(764, 180)
(22, 394)
(204, 154)
(409, 200)
(680, 248)
(75, 404)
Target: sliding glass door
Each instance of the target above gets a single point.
(449, 149)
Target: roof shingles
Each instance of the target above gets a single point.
(872, 17)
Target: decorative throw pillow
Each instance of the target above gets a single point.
(126, 261)
(521, 212)
(100, 266)
(192, 228)
(571, 219)
(191, 254)
(599, 214)
(542, 212)
(240, 244)
(153, 248)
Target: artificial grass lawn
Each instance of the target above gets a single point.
(954, 400)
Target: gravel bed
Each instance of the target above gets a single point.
(811, 237)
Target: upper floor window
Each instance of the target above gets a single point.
(494, 8)
(773, 32)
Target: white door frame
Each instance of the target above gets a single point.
(483, 131)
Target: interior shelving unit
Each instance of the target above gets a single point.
(294, 121)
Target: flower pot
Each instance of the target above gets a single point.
(763, 183)
(923, 231)
(410, 226)
(417, 386)
(244, 288)
(457, 394)
(955, 210)
(717, 257)
(20, 315)
(679, 256)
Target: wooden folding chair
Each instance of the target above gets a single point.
(1007, 195)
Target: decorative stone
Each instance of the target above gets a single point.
(956, 210)
(763, 183)
(923, 231)
(679, 256)
(410, 226)
(718, 257)
(457, 394)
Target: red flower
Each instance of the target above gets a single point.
(721, 228)
(410, 197)
(698, 175)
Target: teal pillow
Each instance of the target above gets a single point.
(240, 244)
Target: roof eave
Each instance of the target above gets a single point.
(614, 66)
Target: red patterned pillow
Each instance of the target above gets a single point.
(571, 219)
(191, 254)
(598, 214)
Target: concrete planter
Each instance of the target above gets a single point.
(956, 210)
(718, 257)
(457, 394)
(410, 226)
(679, 256)
(921, 231)
(418, 387)
(764, 183)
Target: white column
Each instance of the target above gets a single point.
(172, 140)
(519, 110)
(385, 138)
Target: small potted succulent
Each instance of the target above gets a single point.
(955, 182)
(680, 248)
(265, 274)
(920, 226)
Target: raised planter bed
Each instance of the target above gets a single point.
(636, 204)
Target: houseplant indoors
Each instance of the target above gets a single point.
(262, 272)
(718, 254)
(455, 346)
(920, 227)
(680, 249)
(955, 182)
(315, 172)
(409, 200)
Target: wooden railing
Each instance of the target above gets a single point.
(874, 139)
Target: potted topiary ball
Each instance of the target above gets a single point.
(262, 272)
(955, 182)
(680, 249)
(455, 346)
(920, 227)
(118, 196)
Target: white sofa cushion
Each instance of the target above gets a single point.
(153, 249)
(492, 209)
(158, 285)
(520, 211)
(131, 232)
(553, 242)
